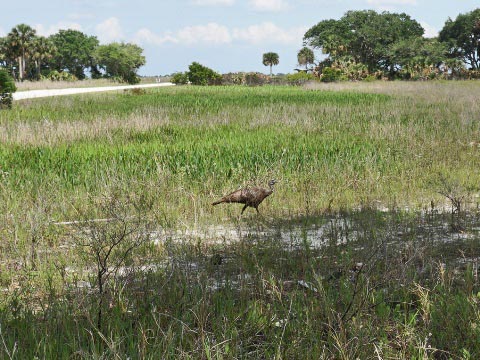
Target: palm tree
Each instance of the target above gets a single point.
(3, 52)
(19, 40)
(305, 56)
(270, 59)
(42, 49)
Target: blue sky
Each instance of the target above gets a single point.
(226, 35)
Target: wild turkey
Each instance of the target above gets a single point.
(250, 196)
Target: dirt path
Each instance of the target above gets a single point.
(30, 94)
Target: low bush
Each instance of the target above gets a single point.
(330, 75)
(180, 78)
(59, 76)
(300, 78)
(202, 75)
(7, 88)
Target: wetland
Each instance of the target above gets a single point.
(368, 248)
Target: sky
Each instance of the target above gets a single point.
(225, 35)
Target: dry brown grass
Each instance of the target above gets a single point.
(48, 84)
(432, 91)
(49, 133)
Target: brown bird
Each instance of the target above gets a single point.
(250, 196)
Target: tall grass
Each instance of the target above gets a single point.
(346, 149)
(381, 285)
(394, 297)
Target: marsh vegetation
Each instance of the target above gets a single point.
(367, 248)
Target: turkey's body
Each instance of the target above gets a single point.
(251, 196)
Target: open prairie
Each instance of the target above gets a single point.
(371, 234)
(341, 146)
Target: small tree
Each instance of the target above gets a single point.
(305, 57)
(108, 243)
(270, 59)
(202, 75)
(120, 60)
(180, 78)
(7, 88)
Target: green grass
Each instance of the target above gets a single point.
(406, 299)
(348, 148)
(167, 153)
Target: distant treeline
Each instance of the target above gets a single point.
(366, 44)
(362, 45)
(67, 55)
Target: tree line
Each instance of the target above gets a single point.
(366, 43)
(67, 55)
(360, 45)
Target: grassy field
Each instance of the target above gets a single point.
(380, 145)
(150, 161)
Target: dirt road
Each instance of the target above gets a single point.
(30, 94)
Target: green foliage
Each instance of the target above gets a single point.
(19, 42)
(364, 35)
(305, 57)
(330, 74)
(180, 78)
(202, 75)
(270, 59)
(7, 88)
(75, 52)
(60, 76)
(418, 57)
(345, 68)
(300, 78)
(462, 37)
(120, 60)
(42, 51)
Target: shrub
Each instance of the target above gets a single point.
(180, 78)
(7, 88)
(234, 78)
(330, 74)
(202, 75)
(60, 76)
(254, 79)
(299, 78)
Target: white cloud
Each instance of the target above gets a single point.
(211, 33)
(430, 31)
(213, 2)
(144, 35)
(268, 32)
(52, 29)
(391, 2)
(269, 5)
(2, 32)
(109, 30)
(216, 34)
